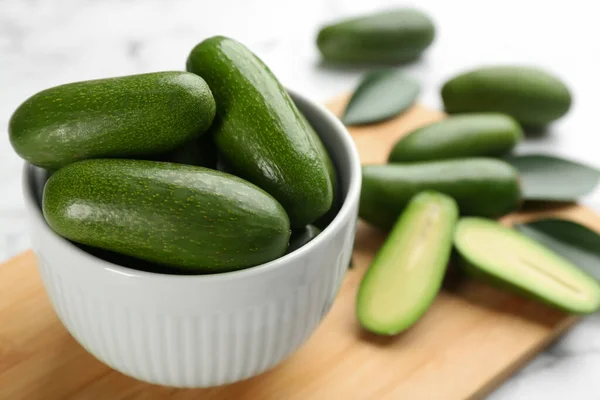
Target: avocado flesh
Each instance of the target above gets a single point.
(406, 274)
(506, 255)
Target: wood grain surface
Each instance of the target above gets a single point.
(472, 338)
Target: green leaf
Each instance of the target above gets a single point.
(573, 241)
(549, 178)
(381, 95)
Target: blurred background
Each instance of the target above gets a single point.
(46, 43)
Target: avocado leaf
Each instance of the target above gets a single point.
(381, 95)
(549, 178)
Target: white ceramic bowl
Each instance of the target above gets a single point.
(206, 330)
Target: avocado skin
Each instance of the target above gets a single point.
(261, 133)
(481, 187)
(182, 216)
(532, 96)
(127, 116)
(470, 135)
(393, 36)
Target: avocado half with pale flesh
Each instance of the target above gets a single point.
(408, 270)
(506, 257)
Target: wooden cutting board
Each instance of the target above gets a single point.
(471, 339)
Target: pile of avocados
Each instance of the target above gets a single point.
(445, 183)
(135, 163)
(215, 169)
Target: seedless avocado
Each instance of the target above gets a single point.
(510, 259)
(130, 116)
(481, 187)
(393, 36)
(470, 135)
(408, 270)
(187, 217)
(533, 96)
(260, 131)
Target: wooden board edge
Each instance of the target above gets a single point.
(526, 358)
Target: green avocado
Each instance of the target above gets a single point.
(129, 116)
(469, 135)
(481, 187)
(261, 133)
(532, 96)
(392, 36)
(408, 270)
(507, 258)
(187, 217)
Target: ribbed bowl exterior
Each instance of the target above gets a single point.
(201, 331)
(176, 346)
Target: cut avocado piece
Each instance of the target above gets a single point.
(511, 259)
(408, 270)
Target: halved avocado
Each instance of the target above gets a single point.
(508, 258)
(408, 270)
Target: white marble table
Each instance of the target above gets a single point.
(52, 42)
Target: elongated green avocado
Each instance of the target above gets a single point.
(188, 217)
(260, 131)
(117, 117)
(509, 259)
(393, 36)
(408, 270)
(481, 187)
(532, 96)
(470, 135)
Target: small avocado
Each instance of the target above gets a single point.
(125, 117)
(408, 270)
(470, 135)
(260, 131)
(532, 96)
(186, 217)
(391, 36)
(510, 259)
(302, 236)
(483, 187)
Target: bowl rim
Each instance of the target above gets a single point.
(87, 260)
